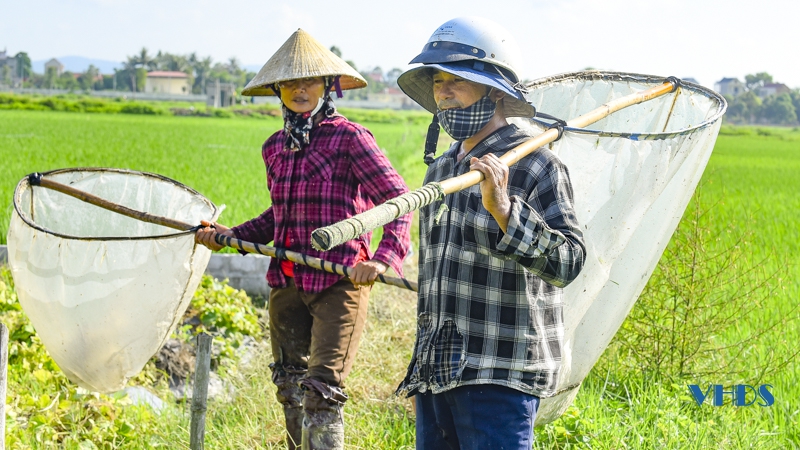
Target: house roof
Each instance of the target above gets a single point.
(776, 86)
(166, 74)
(729, 80)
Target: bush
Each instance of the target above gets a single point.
(139, 108)
(224, 113)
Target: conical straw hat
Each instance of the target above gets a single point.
(302, 56)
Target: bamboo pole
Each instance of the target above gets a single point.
(238, 244)
(3, 382)
(202, 367)
(326, 238)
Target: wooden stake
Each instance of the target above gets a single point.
(3, 382)
(202, 368)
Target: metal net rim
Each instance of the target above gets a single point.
(591, 75)
(24, 184)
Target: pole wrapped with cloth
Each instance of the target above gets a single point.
(330, 236)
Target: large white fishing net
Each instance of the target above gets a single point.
(102, 290)
(633, 176)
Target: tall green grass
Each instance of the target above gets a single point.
(752, 177)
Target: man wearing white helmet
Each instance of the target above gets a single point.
(493, 258)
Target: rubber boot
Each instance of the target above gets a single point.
(290, 395)
(294, 426)
(323, 425)
(323, 430)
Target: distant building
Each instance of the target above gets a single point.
(55, 64)
(773, 89)
(220, 95)
(162, 82)
(9, 73)
(730, 86)
(393, 98)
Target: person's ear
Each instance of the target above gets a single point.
(495, 95)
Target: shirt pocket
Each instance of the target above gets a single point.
(317, 168)
(449, 356)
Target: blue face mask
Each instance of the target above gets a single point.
(463, 123)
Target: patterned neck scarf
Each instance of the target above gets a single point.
(298, 126)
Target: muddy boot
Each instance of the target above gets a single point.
(323, 430)
(294, 426)
(290, 395)
(323, 426)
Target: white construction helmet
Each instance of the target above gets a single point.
(465, 38)
(475, 49)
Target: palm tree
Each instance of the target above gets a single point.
(130, 67)
(144, 60)
(202, 69)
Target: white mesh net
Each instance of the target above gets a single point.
(102, 290)
(632, 178)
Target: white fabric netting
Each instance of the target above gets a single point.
(633, 176)
(102, 290)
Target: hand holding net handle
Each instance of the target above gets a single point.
(326, 238)
(36, 179)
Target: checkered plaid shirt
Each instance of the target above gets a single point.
(340, 174)
(490, 303)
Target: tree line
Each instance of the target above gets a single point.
(751, 108)
(133, 73)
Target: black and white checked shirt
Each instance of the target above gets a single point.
(490, 303)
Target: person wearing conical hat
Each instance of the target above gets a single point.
(321, 168)
(493, 267)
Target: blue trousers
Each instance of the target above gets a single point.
(476, 417)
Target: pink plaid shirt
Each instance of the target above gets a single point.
(341, 173)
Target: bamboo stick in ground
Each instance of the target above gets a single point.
(326, 238)
(200, 392)
(3, 382)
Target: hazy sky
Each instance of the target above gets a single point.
(703, 39)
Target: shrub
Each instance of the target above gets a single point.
(139, 108)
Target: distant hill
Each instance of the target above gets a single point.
(78, 64)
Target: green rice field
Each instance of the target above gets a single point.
(752, 181)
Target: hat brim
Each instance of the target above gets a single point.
(302, 56)
(417, 83)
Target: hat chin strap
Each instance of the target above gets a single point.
(431, 140)
(320, 102)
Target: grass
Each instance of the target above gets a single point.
(219, 158)
(753, 174)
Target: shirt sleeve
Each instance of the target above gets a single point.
(260, 230)
(380, 182)
(543, 234)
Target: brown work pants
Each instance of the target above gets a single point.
(319, 332)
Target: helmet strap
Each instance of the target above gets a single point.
(431, 140)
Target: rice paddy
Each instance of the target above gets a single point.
(753, 178)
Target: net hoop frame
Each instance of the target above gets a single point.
(24, 183)
(622, 77)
